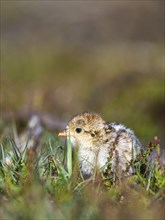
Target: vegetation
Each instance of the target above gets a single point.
(43, 184)
(61, 58)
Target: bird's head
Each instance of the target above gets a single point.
(85, 129)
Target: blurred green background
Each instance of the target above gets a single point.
(66, 57)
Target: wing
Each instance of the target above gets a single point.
(125, 146)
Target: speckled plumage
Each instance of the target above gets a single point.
(95, 140)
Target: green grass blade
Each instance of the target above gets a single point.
(3, 153)
(69, 157)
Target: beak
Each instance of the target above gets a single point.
(62, 134)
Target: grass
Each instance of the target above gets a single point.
(47, 184)
(117, 72)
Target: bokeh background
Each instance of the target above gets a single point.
(66, 57)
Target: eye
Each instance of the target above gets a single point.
(78, 130)
(92, 134)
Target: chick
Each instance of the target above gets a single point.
(100, 143)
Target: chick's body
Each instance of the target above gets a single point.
(98, 142)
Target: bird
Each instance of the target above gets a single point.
(100, 143)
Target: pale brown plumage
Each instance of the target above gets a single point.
(95, 140)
